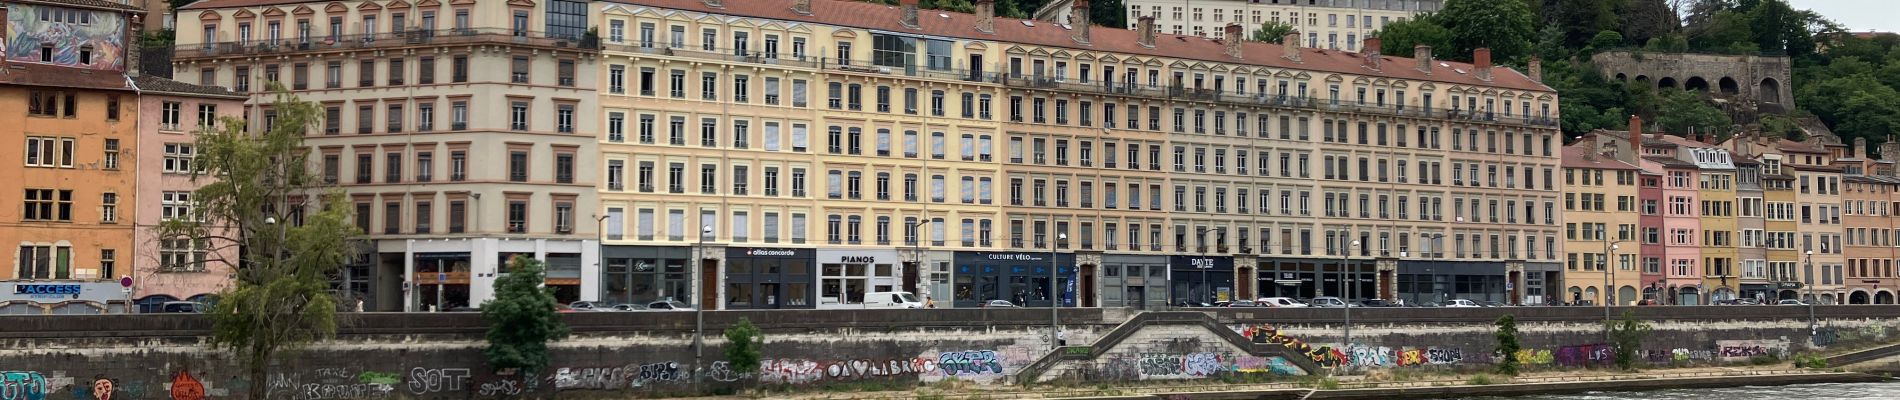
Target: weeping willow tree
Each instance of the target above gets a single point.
(288, 227)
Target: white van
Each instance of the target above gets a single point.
(892, 300)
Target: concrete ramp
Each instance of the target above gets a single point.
(1167, 346)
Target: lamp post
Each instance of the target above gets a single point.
(1344, 260)
(1055, 322)
(917, 249)
(1200, 237)
(1609, 271)
(699, 309)
(1811, 298)
(600, 244)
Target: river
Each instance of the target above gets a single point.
(1825, 391)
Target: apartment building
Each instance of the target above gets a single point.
(1808, 261)
(1868, 196)
(1602, 226)
(170, 268)
(461, 131)
(969, 157)
(71, 109)
(1323, 24)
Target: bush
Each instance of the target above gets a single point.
(1764, 359)
(1479, 380)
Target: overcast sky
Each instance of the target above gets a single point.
(1856, 15)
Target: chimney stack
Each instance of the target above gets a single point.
(1481, 62)
(910, 13)
(715, 3)
(985, 16)
(1423, 53)
(1636, 138)
(1146, 28)
(1233, 40)
(1371, 50)
(1860, 147)
(1537, 69)
(1290, 45)
(801, 7)
(132, 56)
(1079, 21)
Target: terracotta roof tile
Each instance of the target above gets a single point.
(1574, 158)
(34, 74)
(154, 84)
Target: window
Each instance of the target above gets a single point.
(458, 165)
(518, 166)
(111, 160)
(518, 70)
(168, 117)
(45, 262)
(517, 216)
(176, 205)
(518, 115)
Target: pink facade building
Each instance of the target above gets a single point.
(166, 269)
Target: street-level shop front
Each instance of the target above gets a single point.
(845, 275)
(1421, 282)
(63, 297)
(644, 274)
(769, 278)
(1200, 279)
(1134, 281)
(450, 274)
(1305, 278)
(1022, 278)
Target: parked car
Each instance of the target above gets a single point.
(183, 307)
(1327, 302)
(1185, 303)
(1377, 303)
(588, 306)
(998, 304)
(1424, 304)
(1790, 302)
(1280, 302)
(629, 307)
(1461, 303)
(1242, 303)
(668, 305)
(892, 300)
(1494, 304)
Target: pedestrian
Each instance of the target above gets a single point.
(1576, 298)
(930, 302)
(1062, 338)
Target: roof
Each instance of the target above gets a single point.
(1574, 157)
(1670, 162)
(35, 74)
(858, 14)
(160, 85)
(102, 4)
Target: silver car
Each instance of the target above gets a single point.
(1328, 302)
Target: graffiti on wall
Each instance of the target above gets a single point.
(1325, 356)
(1585, 355)
(66, 32)
(803, 371)
(23, 385)
(1381, 356)
(973, 362)
(332, 383)
(1830, 336)
(1742, 350)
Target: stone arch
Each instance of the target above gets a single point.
(1727, 86)
(1622, 78)
(1883, 297)
(1625, 295)
(1770, 91)
(1643, 79)
(1858, 297)
(1696, 83)
(1666, 83)
(1590, 294)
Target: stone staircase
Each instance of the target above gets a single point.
(1108, 341)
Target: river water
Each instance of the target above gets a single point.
(1825, 391)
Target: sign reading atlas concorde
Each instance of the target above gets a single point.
(768, 252)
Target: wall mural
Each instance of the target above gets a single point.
(68, 30)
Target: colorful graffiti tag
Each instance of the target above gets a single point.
(1325, 356)
(23, 385)
(973, 362)
(1742, 350)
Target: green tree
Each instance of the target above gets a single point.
(1399, 38)
(1109, 13)
(1272, 32)
(1626, 337)
(522, 319)
(1682, 110)
(1646, 19)
(1507, 344)
(1871, 114)
(1008, 8)
(1504, 26)
(1604, 40)
(744, 345)
(962, 6)
(1581, 19)
(280, 298)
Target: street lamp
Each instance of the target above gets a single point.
(699, 309)
(1344, 260)
(917, 249)
(600, 244)
(1609, 271)
(1055, 323)
(1811, 298)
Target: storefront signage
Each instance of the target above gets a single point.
(37, 290)
(1788, 285)
(1202, 263)
(770, 252)
(54, 292)
(858, 259)
(1014, 257)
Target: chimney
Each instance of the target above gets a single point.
(985, 16)
(801, 7)
(1233, 40)
(1860, 147)
(1146, 27)
(715, 3)
(1537, 69)
(1481, 62)
(910, 13)
(1079, 21)
(136, 28)
(1423, 53)
(1290, 45)
(1636, 137)
(1371, 50)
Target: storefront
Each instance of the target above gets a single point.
(34, 298)
(441, 280)
(844, 276)
(1760, 292)
(644, 274)
(1021, 278)
(1541, 280)
(1304, 278)
(1421, 282)
(1139, 282)
(769, 278)
(1200, 279)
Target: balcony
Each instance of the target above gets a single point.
(385, 40)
